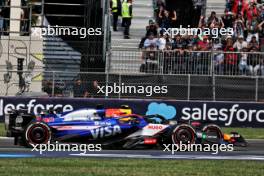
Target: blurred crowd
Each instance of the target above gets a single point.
(193, 53)
(77, 89)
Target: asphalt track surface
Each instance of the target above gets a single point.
(254, 151)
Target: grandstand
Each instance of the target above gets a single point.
(218, 65)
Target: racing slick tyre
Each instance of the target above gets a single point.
(213, 133)
(37, 133)
(184, 134)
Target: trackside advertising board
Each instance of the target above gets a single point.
(235, 114)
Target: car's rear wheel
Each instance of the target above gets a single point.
(184, 134)
(37, 133)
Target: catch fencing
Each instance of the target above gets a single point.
(146, 86)
(183, 62)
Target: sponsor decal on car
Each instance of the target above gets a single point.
(106, 131)
(155, 127)
(75, 127)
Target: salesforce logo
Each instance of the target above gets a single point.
(163, 109)
(203, 113)
(227, 115)
(32, 106)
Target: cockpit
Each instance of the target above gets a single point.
(82, 115)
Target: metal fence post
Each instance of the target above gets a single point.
(162, 62)
(42, 12)
(106, 83)
(106, 25)
(212, 63)
(53, 83)
(189, 87)
(29, 28)
(213, 86)
(257, 87)
(119, 84)
(213, 74)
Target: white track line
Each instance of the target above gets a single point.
(193, 157)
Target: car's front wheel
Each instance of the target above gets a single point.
(213, 133)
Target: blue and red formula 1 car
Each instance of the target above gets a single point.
(116, 127)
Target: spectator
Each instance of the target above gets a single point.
(179, 64)
(228, 19)
(261, 35)
(178, 43)
(168, 59)
(254, 61)
(239, 26)
(212, 19)
(253, 44)
(162, 42)
(189, 58)
(47, 87)
(189, 48)
(259, 69)
(58, 89)
(218, 57)
(160, 5)
(79, 90)
(152, 28)
(202, 22)
(50, 90)
(150, 58)
(93, 88)
(240, 43)
(252, 27)
(173, 18)
(231, 60)
(243, 62)
(165, 20)
(1, 24)
(229, 5)
(252, 11)
(115, 6)
(204, 44)
(192, 39)
(238, 6)
(150, 41)
(127, 15)
(261, 13)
